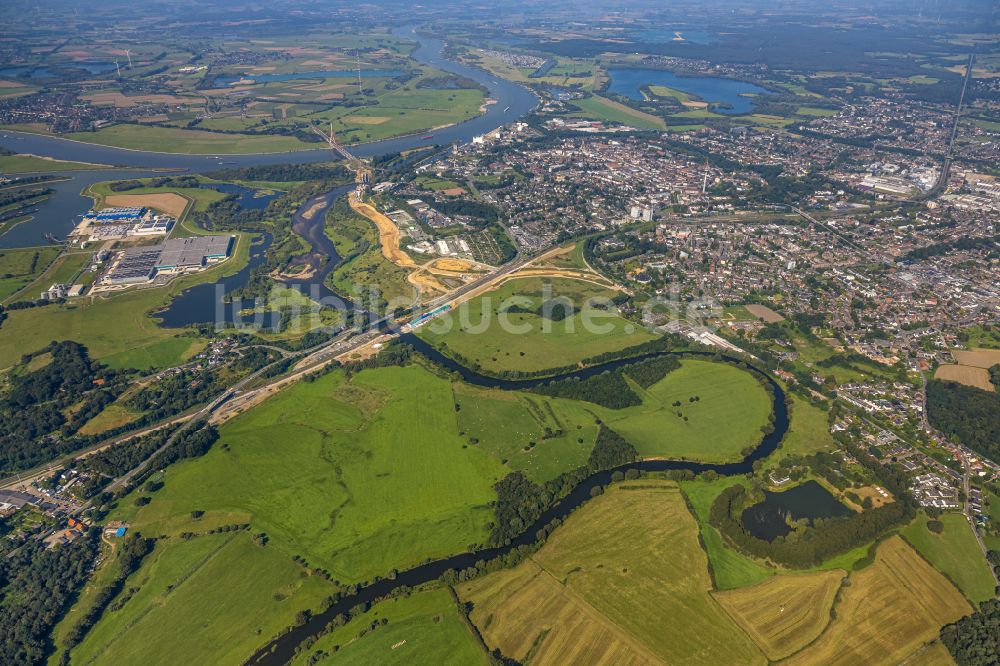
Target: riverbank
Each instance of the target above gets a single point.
(282, 649)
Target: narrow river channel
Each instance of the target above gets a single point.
(282, 649)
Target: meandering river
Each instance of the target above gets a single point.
(58, 215)
(282, 649)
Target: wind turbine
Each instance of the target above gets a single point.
(128, 54)
(119, 69)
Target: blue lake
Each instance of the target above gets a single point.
(627, 82)
(323, 74)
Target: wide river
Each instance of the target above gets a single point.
(281, 649)
(58, 215)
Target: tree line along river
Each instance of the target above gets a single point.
(281, 650)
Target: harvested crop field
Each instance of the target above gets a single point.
(765, 313)
(891, 610)
(623, 581)
(171, 203)
(783, 614)
(965, 374)
(977, 358)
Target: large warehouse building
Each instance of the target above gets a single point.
(177, 255)
(184, 254)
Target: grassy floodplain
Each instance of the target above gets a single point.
(334, 471)
(222, 593)
(475, 334)
(198, 142)
(36, 164)
(21, 267)
(727, 417)
(423, 628)
(544, 436)
(622, 581)
(730, 568)
(954, 553)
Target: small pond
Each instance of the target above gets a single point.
(246, 197)
(767, 520)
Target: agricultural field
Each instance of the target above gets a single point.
(622, 581)
(600, 108)
(475, 334)
(977, 358)
(333, 470)
(954, 553)
(423, 628)
(171, 203)
(763, 312)
(198, 589)
(891, 610)
(965, 374)
(784, 613)
(815, 112)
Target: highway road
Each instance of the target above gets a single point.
(311, 358)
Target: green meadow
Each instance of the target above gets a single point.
(208, 599)
(725, 419)
(425, 627)
(954, 553)
(35, 164)
(176, 140)
(545, 436)
(334, 471)
(730, 569)
(474, 332)
(21, 267)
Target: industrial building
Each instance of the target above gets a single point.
(120, 223)
(129, 215)
(138, 265)
(135, 265)
(183, 254)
